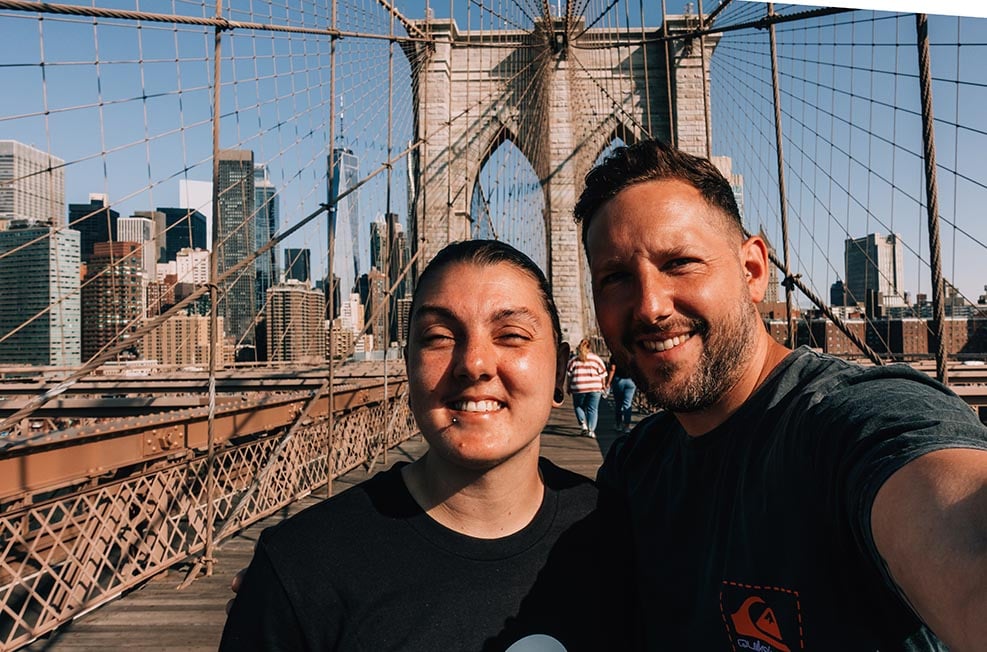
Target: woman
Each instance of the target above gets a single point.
(587, 381)
(438, 554)
(622, 388)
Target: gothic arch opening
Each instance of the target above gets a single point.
(507, 201)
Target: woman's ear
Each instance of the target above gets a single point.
(561, 361)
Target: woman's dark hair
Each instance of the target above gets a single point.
(652, 160)
(486, 253)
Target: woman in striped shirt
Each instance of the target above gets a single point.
(587, 376)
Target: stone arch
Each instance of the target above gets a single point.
(559, 114)
(503, 138)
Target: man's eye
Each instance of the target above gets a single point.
(678, 263)
(611, 277)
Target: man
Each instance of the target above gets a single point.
(783, 500)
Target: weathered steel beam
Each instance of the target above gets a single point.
(43, 462)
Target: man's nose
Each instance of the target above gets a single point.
(653, 295)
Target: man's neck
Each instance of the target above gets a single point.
(767, 356)
(486, 504)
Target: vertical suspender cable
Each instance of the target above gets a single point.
(214, 344)
(702, 58)
(932, 193)
(647, 78)
(391, 233)
(782, 195)
(668, 76)
(334, 161)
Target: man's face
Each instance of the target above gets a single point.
(482, 364)
(671, 294)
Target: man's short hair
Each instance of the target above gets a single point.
(653, 160)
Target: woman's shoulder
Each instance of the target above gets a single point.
(333, 520)
(557, 477)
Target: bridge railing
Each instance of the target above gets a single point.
(76, 542)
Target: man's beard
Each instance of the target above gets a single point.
(726, 350)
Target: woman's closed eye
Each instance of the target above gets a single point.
(514, 336)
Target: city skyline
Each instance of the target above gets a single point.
(301, 185)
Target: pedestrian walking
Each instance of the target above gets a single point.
(586, 378)
(622, 388)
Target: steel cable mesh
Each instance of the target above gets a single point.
(73, 553)
(853, 153)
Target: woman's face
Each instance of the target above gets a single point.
(482, 363)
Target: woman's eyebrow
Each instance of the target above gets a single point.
(430, 310)
(520, 312)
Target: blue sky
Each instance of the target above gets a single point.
(147, 106)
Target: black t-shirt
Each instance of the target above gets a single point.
(757, 535)
(368, 570)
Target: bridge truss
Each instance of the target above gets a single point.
(833, 123)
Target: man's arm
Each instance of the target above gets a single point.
(929, 523)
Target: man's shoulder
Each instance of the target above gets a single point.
(835, 383)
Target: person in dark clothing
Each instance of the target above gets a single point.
(783, 500)
(622, 389)
(441, 553)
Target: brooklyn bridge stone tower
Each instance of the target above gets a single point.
(562, 94)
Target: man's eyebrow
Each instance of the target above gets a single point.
(672, 250)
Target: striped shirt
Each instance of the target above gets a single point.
(587, 376)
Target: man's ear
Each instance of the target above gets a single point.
(756, 264)
(561, 362)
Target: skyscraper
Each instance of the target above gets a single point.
(296, 328)
(140, 230)
(183, 340)
(374, 307)
(298, 265)
(39, 295)
(192, 266)
(265, 228)
(113, 302)
(95, 222)
(875, 271)
(344, 168)
(399, 255)
(378, 244)
(185, 228)
(32, 185)
(389, 255)
(837, 294)
(197, 195)
(236, 221)
(159, 227)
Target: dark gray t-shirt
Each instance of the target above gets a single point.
(757, 535)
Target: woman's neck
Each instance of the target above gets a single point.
(486, 504)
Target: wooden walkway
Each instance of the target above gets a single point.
(158, 616)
